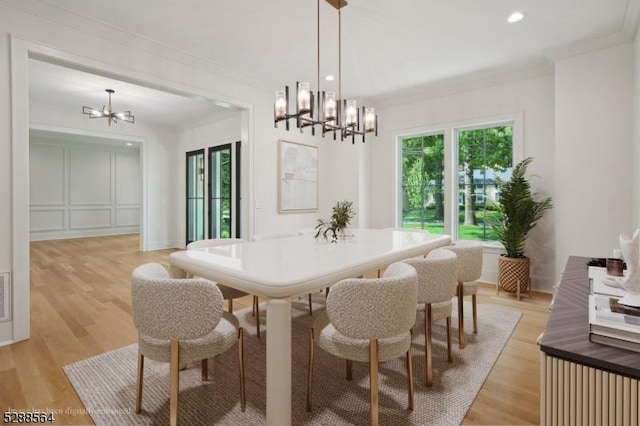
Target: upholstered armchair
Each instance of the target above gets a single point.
(368, 320)
(437, 285)
(180, 321)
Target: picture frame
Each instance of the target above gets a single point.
(297, 177)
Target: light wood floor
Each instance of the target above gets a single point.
(81, 306)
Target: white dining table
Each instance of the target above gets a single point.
(285, 268)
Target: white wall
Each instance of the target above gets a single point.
(83, 189)
(594, 152)
(533, 98)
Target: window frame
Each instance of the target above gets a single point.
(450, 131)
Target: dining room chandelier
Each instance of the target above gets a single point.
(107, 112)
(334, 114)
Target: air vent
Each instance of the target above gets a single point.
(4, 297)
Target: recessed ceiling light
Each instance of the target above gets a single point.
(329, 78)
(129, 144)
(515, 17)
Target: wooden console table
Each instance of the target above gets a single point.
(584, 383)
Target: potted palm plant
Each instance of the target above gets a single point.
(519, 214)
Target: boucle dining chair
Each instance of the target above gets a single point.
(272, 236)
(180, 321)
(229, 293)
(437, 284)
(469, 271)
(369, 320)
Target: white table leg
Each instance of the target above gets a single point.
(278, 362)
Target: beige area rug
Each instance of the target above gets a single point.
(106, 383)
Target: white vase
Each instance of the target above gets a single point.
(631, 282)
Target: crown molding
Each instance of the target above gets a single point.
(585, 46)
(624, 34)
(506, 73)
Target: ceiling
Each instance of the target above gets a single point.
(388, 48)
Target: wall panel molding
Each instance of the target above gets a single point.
(127, 216)
(90, 218)
(82, 190)
(51, 219)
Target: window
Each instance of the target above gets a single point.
(483, 155)
(422, 183)
(448, 178)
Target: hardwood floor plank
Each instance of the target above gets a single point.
(11, 392)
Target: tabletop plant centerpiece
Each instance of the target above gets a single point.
(519, 214)
(341, 216)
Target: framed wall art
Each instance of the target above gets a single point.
(297, 177)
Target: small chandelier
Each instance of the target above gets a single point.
(107, 112)
(334, 114)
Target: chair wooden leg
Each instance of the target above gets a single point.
(475, 313)
(243, 396)
(410, 378)
(326, 292)
(310, 370)
(139, 382)
(230, 306)
(349, 375)
(310, 306)
(255, 306)
(449, 342)
(373, 380)
(461, 343)
(205, 370)
(257, 309)
(428, 347)
(175, 380)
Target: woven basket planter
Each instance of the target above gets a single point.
(513, 275)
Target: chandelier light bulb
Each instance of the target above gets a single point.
(351, 113)
(330, 106)
(304, 97)
(280, 105)
(369, 119)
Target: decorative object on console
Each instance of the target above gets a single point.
(107, 112)
(630, 282)
(615, 267)
(340, 219)
(520, 213)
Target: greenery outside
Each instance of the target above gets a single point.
(483, 155)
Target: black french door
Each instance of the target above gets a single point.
(223, 195)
